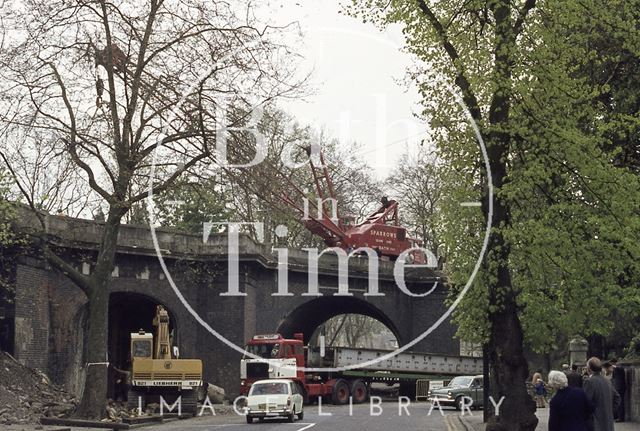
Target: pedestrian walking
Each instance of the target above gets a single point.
(569, 409)
(540, 391)
(601, 395)
(619, 382)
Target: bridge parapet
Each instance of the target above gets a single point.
(137, 239)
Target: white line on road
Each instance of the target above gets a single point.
(306, 426)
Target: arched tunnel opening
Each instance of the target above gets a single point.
(356, 331)
(328, 313)
(128, 312)
(344, 322)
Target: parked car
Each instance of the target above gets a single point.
(274, 398)
(459, 387)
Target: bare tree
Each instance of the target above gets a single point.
(356, 330)
(418, 181)
(114, 87)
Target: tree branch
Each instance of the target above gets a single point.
(522, 15)
(71, 142)
(81, 280)
(468, 96)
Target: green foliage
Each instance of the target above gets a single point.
(633, 350)
(8, 239)
(7, 211)
(187, 205)
(572, 182)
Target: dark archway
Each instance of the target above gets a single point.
(310, 315)
(129, 312)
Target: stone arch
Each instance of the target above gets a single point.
(310, 315)
(129, 312)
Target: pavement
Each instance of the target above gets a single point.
(474, 422)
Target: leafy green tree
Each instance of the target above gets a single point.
(187, 205)
(564, 244)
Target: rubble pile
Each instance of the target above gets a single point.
(117, 410)
(27, 394)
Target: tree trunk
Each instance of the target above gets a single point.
(94, 397)
(509, 369)
(508, 373)
(508, 366)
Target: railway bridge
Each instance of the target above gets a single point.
(46, 320)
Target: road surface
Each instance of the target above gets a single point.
(385, 417)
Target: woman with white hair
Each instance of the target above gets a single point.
(570, 409)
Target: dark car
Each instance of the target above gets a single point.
(455, 392)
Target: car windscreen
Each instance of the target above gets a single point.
(460, 381)
(269, 389)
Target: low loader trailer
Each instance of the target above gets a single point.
(286, 358)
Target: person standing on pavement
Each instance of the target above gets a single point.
(569, 409)
(573, 377)
(607, 370)
(619, 381)
(601, 396)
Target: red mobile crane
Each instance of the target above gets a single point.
(380, 231)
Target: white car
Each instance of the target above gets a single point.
(274, 398)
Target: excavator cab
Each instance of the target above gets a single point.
(141, 345)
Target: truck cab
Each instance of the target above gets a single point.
(277, 358)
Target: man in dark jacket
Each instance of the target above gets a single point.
(573, 377)
(619, 382)
(569, 409)
(601, 396)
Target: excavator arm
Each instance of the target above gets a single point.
(163, 343)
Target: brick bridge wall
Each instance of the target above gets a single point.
(50, 309)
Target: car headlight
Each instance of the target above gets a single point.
(449, 395)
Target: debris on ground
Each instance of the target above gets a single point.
(215, 393)
(27, 394)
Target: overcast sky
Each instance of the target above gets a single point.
(356, 73)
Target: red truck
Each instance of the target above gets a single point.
(285, 358)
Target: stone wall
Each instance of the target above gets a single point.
(32, 314)
(632, 397)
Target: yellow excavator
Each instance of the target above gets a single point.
(157, 371)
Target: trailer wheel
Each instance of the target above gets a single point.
(359, 391)
(132, 399)
(340, 393)
(249, 419)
